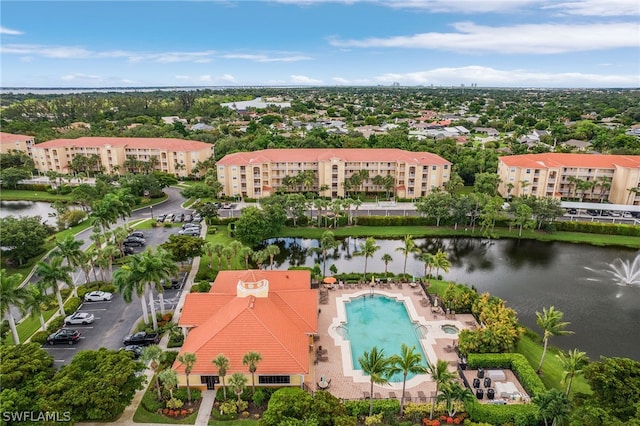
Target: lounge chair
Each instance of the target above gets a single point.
(366, 395)
(392, 395)
(422, 397)
(407, 396)
(322, 358)
(377, 395)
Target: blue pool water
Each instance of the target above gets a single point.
(383, 322)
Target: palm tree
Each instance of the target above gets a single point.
(550, 321)
(236, 246)
(327, 242)
(451, 392)
(209, 248)
(52, 272)
(217, 249)
(407, 362)
(633, 191)
(187, 359)
(259, 257)
(246, 253)
(69, 248)
(440, 261)
(320, 204)
(227, 253)
(238, 382)
(252, 359)
(408, 248)
(169, 380)
(367, 249)
(377, 366)
(222, 363)
(153, 355)
(428, 260)
(441, 375)
(12, 295)
(272, 250)
(108, 253)
(127, 279)
(158, 267)
(386, 258)
(36, 297)
(573, 364)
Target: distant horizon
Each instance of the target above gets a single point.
(564, 44)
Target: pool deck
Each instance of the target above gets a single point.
(347, 383)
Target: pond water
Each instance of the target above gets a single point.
(27, 208)
(528, 275)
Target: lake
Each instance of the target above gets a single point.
(28, 208)
(528, 275)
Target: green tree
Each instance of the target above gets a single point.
(251, 359)
(129, 280)
(408, 248)
(573, 363)
(246, 253)
(487, 183)
(227, 252)
(450, 392)
(522, 217)
(441, 375)
(34, 302)
(153, 355)
(377, 366)
(222, 364)
(327, 242)
(407, 362)
(169, 380)
(553, 406)
(70, 249)
(12, 295)
(272, 250)
(436, 205)
(441, 261)
(157, 267)
(386, 259)
(51, 273)
(550, 321)
(367, 249)
(289, 406)
(252, 227)
(23, 237)
(238, 382)
(187, 359)
(12, 175)
(183, 247)
(615, 384)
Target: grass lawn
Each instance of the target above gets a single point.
(220, 237)
(143, 416)
(28, 326)
(26, 195)
(551, 368)
(442, 231)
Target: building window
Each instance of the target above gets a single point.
(434, 167)
(528, 171)
(446, 167)
(274, 380)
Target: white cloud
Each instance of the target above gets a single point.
(598, 7)
(265, 58)
(227, 77)
(340, 80)
(525, 38)
(486, 76)
(462, 6)
(9, 31)
(303, 79)
(82, 77)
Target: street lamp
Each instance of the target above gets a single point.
(151, 208)
(371, 291)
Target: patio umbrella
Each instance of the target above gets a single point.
(329, 280)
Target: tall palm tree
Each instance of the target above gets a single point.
(238, 382)
(550, 321)
(320, 204)
(386, 259)
(573, 363)
(407, 362)
(441, 375)
(451, 392)
(187, 359)
(259, 257)
(158, 267)
(440, 261)
(429, 262)
(236, 246)
(327, 242)
(169, 380)
(109, 252)
(36, 297)
(128, 279)
(217, 249)
(69, 248)
(246, 253)
(52, 272)
(367, 249)
(251, 359)
(408, 248)
(377, 366)
(222, 364)
(272, 250)
(209, 248)
(227, 252)
(11, 295)
(153, 355)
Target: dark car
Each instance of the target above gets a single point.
(141, 339)
(572, 211)
(135, 350)
(127, 251)
(592, 212)
(137, 234)
(64, 335)
(134, 241)
(173, 283)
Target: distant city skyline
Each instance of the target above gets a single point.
(291, 43)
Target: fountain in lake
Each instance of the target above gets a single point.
(626, 272)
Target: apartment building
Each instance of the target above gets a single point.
(261, 173)
(174, 156)
(10, 142)
(590, 177)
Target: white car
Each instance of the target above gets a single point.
(98, 296)
(83, 318)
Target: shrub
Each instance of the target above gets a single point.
(169, 358)
(259, 397)
(181, 394)
(150, 403)
(174, 403)
(245, 414)
(229, 407)
(72, 304)
(55, 324)
(40, 337)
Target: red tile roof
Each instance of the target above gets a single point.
(325, 154)
(148, 143)
(555, 160)
(10, 137)
(276, 326)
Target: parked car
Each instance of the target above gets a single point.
(572, 211)
(627, 215)
(191, 225)
(173, 283)
(141, 338)
(137, 234)
(134, 241)
(98, 296)
(188, 218)
(615, 213)
(160, 218)
(194, 232)
(169, 218)
(126, 250)
(592, 212)
(135, 350)
(64, 335)
(179, 218)
(226, 205)
(83, 318)
(197, 218)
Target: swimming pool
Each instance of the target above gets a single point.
(379, 321)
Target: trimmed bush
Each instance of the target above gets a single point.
(150, 403)
(359, 408)
(72, 304)
(40, 337)
(181, 394)
(55, 324)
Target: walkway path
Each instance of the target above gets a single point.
(206, 405)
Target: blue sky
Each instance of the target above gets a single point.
(500, 43)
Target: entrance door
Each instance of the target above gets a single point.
(210, 381)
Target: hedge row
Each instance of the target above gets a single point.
(358, 408)
(395, 221)
(599, 228)
(518, 414)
